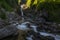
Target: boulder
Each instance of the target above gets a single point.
(7, 31)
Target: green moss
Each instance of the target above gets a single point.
(3, 16)
(53, 9)
(8, 5)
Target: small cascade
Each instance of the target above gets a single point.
(23, 26)
(22, 13)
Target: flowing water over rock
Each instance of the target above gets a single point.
(22, 12)
(33, 33)
(23, 26)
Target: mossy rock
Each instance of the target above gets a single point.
(53, 10)
(2, 15)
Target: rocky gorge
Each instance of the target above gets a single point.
(34, 26)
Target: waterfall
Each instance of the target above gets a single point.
(22, 13)
(23, 26)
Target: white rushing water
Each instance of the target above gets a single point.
(29, 38)
(57, 37)
(22, 26)
(22, 12)
(34, 28)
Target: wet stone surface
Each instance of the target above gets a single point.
(38, 29)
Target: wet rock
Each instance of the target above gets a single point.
(28, 25)
(7, 31)
(40, 37)
(39, 28)
(3, 23)
(50, 38)
(58, 24)
(22, 35)
(11, 15)
(11, 37)
(31, 32)
(48, 23)
(39, 21)
(57, 31)
(44, 14)
(37, 36)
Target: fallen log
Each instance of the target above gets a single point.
(7, 31)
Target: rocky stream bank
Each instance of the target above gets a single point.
(36, 26)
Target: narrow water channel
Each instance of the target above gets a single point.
(23, 26)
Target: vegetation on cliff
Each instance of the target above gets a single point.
(51, 6)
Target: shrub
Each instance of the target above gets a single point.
(51, 6)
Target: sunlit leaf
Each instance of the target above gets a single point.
(28, 3)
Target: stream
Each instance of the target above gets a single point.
(25, 26)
